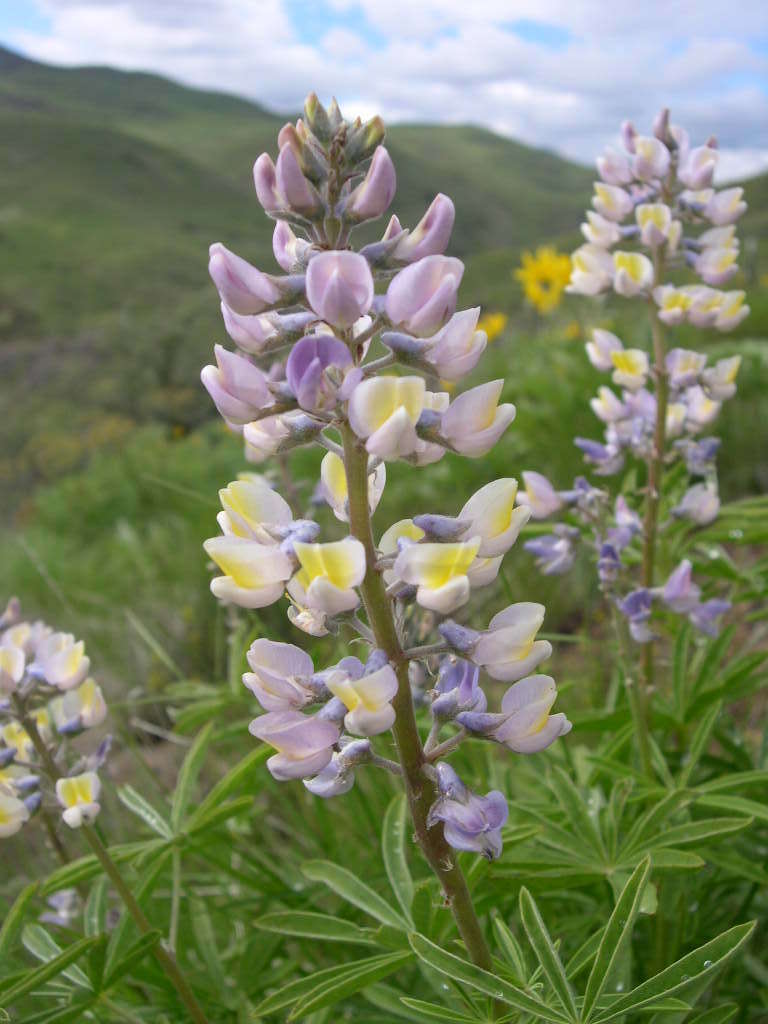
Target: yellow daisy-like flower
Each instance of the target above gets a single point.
(493, 324)
(544, 276)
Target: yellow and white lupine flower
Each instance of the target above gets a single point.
(719, 238)
(676, 417)
(388, 543)
(13, 814)
(725, 207)
(383, 411)
(732, 311)
(61, 661)
(607, 406)
(508, 649)
(651, 158)
(598, 230)
(19, 635)
(655, 223)
(254, 573)
(591, 270)
(79, 709)
(474, 422)
(439, 572)
(14, 735)
(16, 780)
(716, 266)
(633, 273)
(492, 515)
(706, 304)
(367, 700)
(79, 796)
(630, 368)
(720, 380)
(673, 303)
(600, 348)
(328, 574)
(484, 571)
(249, 507)
(333, 479)
(611, 202)
(12, 664)
(702, 410)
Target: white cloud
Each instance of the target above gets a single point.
(451, 61)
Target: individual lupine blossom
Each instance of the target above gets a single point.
(470, 822)
(300, 375)
(45, 689)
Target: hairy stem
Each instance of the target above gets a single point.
(164, 958)
(420, 790)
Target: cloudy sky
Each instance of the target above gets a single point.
(555, 73)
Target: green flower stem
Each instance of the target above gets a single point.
(651, 518)
(420, 790)
(164, 958)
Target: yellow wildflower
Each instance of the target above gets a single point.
(544, 275)
(493, 324)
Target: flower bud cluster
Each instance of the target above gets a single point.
(47, 696)
(303, 376)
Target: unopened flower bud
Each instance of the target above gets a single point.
(375, 192)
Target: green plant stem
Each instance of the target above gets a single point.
(633, 694)
(420, 790)
(652, 500)
(164, 958)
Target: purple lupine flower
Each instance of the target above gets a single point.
(636, 608)
(700, 504)
(680, 593)
(684, 367)
(699, 455)
(703, 616)
(430, 236)
(338, 776)
(627, 526)
(255, 334)
(291, 253)
(375, 192)
(607, 459)
(243, 288)
(304, 744)
(339, 287)
(554, 552)
(65, 907)
(238, 388)
(458, 689)
(281, 676)
(528, 726)
(293, 187)
(470, 822)
(423, 296)
(307, 366)
(608, 563)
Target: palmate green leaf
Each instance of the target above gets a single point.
(15, 918)
(738, 804)
(468, 974)
(301, 988)
(546, 954)
(433, 1011)
(699, 742)
(734, 780)
(615, 936)
(188, 774)
(385, 997)
(235, 777)
(350, 888)
(333, 990)
(39, 943)
(95, 912)
(393, 835)
(511, 949)
(83, 868)
(38, 977)
(133, 956)
(649, 823)
(696, 832)
(670, 859)
(136, 803)
(717, 1015)
(574, 805)
(310, 925)
(704, 961)
(584, 955)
